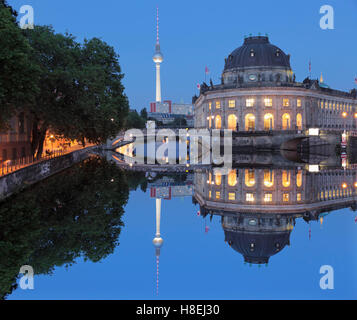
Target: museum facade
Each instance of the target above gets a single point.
(259, 92)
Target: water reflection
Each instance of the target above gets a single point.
(78, 213)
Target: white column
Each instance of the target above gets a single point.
(158, 83)
(158, 216)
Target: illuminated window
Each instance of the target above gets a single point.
(268, 102)
(218, 195)
(249, 177)
(330, 105)
(285, 197)
(286, 178)
(231, 196)
(231, 103)
(268, 197)
(232, 178)
(299, 121)
(218, 179)
(210, 178)
(326, 105)
(286, 121)
(298, 102)
(268, 121)
(298, 197)
(322, 104)
(268, 178)
(249, 102)
(334, 107)
(249, 197)
(218, 122)
(285, 102)
(299, 179)
(232, 122)
(210, 106)
(210, 194)
(249, 122)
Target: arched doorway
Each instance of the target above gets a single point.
(218, 122)
(286, 121)
(232, 122)
(268, 121)
(249, 122)
(299, 121)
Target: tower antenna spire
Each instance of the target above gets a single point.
(158, 59)
(157, 25)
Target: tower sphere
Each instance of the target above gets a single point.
(158, 57)
(158, 242)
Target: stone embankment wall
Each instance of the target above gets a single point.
(20, 179)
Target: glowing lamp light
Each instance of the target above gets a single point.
(344, 185)
(314, 132)
(313, 168)
(355, 184)
(344, 114)
(355, 115)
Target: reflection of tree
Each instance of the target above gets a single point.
(76, 213)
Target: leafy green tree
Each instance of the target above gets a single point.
(144, 114)
(18, 76)
(81, 94)
(134, 120)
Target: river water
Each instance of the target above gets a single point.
(250, 232)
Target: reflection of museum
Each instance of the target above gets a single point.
(259, 206)
(259, 92)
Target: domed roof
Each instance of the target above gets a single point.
(257, 52)
(257, 247)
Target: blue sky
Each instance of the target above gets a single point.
(199, 265)
(194, 34)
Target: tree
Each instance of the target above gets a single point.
(144, 114)
(134, 120)
(18, 76)
(81, 95)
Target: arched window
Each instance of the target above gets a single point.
(299, 179)
(268, 178)
(286, 121)
(249, 122)
(210, 122)
(218, 179)
(249, 177)
(286, 178)
(232, 178)
(299, 121)
(218, 123)
(268, 121)
(232, 122)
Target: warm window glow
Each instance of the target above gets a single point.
(286, 121)
(249, 102)
(286, 178)
(268, 178)
(299, 121)
(218, 195)
(218, 179)
(249, 177)
(231, 103)
(268, 197)
(249, 197)
(298, 102)
(210, 106)
(286, 197)
(218, 104)
(268, 121)
(232, 122)
(268, 102)
(298, 197)
(218, 122)
(299, 179)
(210, 194)
(249, 122)
(231, 196)
(232, 178)
(285, 102)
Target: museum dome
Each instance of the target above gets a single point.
(255, 247)
(257, 51)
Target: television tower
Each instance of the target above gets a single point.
(158, 242)
(158, 58)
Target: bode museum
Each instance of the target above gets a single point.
(259, 93)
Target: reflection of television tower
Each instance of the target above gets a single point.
(158, 58)
(158, 241)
